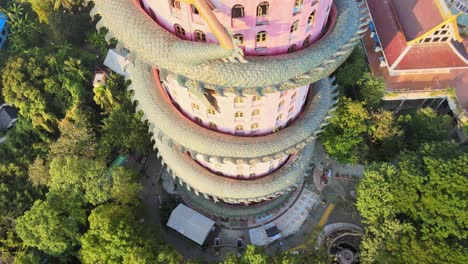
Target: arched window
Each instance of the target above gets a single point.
(239, 100)
(261, 40)
(306, 42)
(180, 31)
(256, 112)
(237, 11)
(298, 6)
(198, 120)
(311, 20)
(256, 98)
(211, 111)
(195, 106)
(239, 114)
(237, 15)
(200, 36)
(263, 10)
(175, 4)
(239, 38)
(254, 126)
(239, 128)
(294, 26)
(279, 117)
(194, 10)
(213, 125)
(292, 48)
(293, 96)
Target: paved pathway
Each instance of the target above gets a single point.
(337, 192)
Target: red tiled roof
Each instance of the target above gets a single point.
(399, 21)
(390, 34)
(430, 56)
(416, 17)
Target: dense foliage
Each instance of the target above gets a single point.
(416, 209)
(58, 192)
(362, 131)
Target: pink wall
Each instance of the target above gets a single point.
(277, 23)
(260, 115)
(243, 171)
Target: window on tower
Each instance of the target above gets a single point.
(195, 10)
(239, 38)
(237, 11)
(200, 36)
(175, 5)
(211, 111)
(280, 105)
(261, 40)
(239, 100)
(306, 42)
(213, 125)
(298, 6)
(256, 99)
(263, 11)
(294, 26)
(311, 21)
(279, 118)
(180, 31)
(237, 15)
(292, 48)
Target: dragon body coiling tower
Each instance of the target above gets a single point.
(235, 91)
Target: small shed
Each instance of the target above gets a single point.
(3, 29)
(8, 117)
(190, 223)
(100, 78)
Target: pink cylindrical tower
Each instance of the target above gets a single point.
(235, 91)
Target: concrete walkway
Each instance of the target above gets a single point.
(336, 197)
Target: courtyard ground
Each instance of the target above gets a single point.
(336, 205)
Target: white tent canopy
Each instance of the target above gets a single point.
(116, 62)
(190, 223)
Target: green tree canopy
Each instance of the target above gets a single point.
(416, 210)
(53, 225)
(371, 90)
(123, 130)
(344, 137)
(424, 125)
(43, 87)
(86, 176)
(116, 236)
(350, 72)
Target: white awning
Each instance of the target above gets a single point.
(190, 223)
(116, 62)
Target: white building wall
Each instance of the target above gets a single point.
(255, 115)
(243, 171)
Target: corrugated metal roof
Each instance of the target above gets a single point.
(190, 223)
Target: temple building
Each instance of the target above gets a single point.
(236, 92)
(419, 50)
